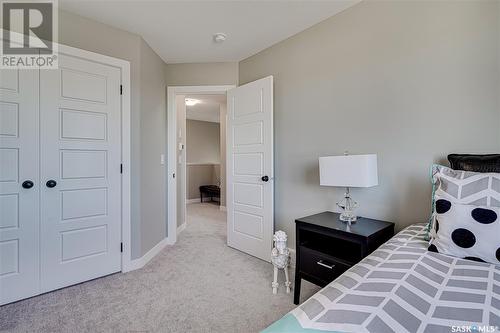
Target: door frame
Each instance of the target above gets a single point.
(124, 67)
(172, 91)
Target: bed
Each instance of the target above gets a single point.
(402, 287)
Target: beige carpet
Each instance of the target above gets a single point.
(197, 285)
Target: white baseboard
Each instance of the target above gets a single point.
(190, 201)
(142, 261)
(181, 228)
(133, 265)
(223, 208)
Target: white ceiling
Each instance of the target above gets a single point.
(181, 31)
(207, 109)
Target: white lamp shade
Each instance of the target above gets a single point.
(348, 170)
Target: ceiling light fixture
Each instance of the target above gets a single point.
(192, 101)
(219, 37)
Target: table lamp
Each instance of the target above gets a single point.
(348, 171)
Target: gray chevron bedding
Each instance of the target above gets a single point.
(401, 287)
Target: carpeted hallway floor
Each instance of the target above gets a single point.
(198, 285)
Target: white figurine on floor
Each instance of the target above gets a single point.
(280, 257)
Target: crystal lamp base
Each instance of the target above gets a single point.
(348, 205)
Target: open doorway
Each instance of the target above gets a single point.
(197, 155)
(249, 186)
(201, 157)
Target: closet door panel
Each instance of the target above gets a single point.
(81, 153)
(19, 163)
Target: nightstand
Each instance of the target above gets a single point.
(326, 247)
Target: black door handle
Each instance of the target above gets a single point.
(265, 178)
(28, 184)
(51, 183)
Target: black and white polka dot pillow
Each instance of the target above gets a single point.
(467, 231)
(465, 187)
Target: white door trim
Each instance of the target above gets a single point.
(172, 91)
(124, 67)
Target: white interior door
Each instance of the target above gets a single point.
(81, 154)
(250, 185)
(19, 216)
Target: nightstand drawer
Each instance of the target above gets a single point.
(320, 266)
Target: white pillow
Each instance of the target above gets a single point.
(466, 231)
(465, 187)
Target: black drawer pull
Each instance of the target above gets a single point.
(321, 263)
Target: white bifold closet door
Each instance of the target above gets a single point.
(60, 129)
(19, 210)
(79, 150)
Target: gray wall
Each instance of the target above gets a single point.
(202, 155)
(153, 144)
(202, 142)
(220, 73)
(147, 112)
(410, 81)
(198, 175)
